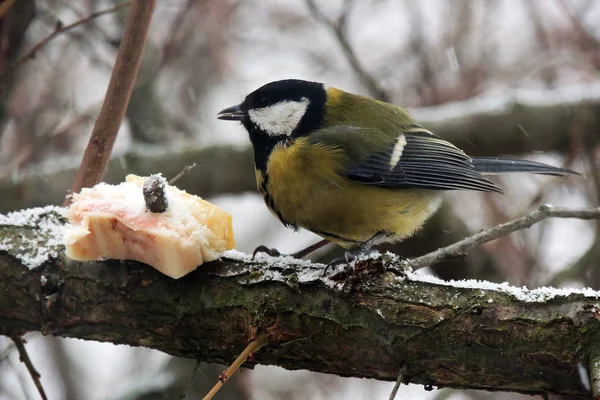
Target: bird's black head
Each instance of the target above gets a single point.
(280, 111)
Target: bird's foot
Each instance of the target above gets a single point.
(348, 257)
(360, 251)
(267, 250)
(357, 269)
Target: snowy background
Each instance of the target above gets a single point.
(440, 58)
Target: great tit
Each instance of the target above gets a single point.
(355, 171)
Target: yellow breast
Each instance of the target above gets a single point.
(305, 187)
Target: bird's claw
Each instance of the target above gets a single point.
(348, 257)
(267, 250)
(352, 256)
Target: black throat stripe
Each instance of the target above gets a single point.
(263, 147)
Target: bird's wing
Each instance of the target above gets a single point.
(416, 158)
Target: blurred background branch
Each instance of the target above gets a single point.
(14, 22)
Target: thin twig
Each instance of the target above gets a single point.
(57, 31)
(398, 381)
(340, 33)
(184, 171)
(189, 384)
(459, 249)
(24, 357)
(122, 80)
(252, 347)
(83, 39)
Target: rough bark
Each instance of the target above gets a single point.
(448, 336)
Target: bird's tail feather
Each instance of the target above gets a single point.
(492, 166)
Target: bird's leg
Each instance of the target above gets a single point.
(310, 249)
(299, 254)
(363, 248)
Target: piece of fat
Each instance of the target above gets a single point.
(111, 221)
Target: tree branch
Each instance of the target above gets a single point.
(399, 381)
(24, 357)
(252, 347)
(467, 335)
(459, 249)
(59, 29)
(97, 153)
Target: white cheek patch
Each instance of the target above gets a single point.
(281, 118)
(397, 152)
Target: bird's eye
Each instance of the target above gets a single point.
(264, 102)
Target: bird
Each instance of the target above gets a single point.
(354, 170)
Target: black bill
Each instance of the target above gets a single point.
(234, 113)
